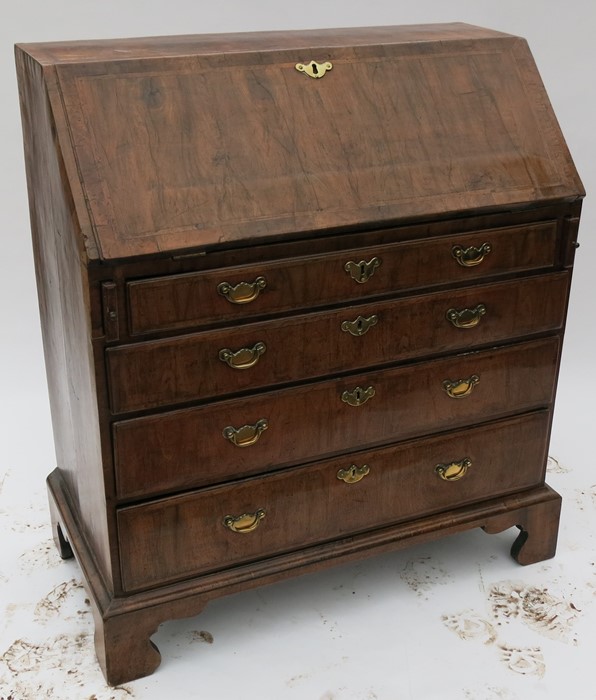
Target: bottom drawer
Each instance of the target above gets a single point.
(215, 528)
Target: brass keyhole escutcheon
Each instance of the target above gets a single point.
(358, 396)
(354, 474)
(362, 271)
(314, 69)
(359, 326)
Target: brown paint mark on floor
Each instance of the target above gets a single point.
(297, 679)
(51, 604)
(536, 607)
(9, 612)
(23, 656)
(527, 662)
(21, 528)
(331, 627)
(490, 693)
(42, 556)
(3, 479)
(553, 466)
(35, 670)
(585, 498)
(202, 636)
(301, 677)
(469, 625)
(422, 574)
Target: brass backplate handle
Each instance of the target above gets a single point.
(358, 396)
(247, 435)
(453, 471)
(359, 326)
(460, 388)
(243, 292)
(245, 358)
(362, 271)
(470, 256)
(466, 318)
(314, 69)
(247, 522)
(354, 474)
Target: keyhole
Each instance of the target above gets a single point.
(358, 394)
(360, 325)
(362, 270)
(315, 70)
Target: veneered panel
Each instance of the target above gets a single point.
(185, 449)
(185, 535)
(188, 367)
(199, 150)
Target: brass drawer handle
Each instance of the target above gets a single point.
(314, 69)
(454, 470)
(243, 358)
(362, 271)
(354, 474)
(460, 388)
(360, 325)
(247, 522)
(358, 396)
(466, 318)
(247, 435)
(471, 256)
(243, 292)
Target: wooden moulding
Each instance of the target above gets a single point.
(124, 625)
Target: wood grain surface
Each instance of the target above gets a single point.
(198, 149)
(186, 368)
(192, 300)
(185, 535)
(182, 449)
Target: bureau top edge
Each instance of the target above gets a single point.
(89, 50)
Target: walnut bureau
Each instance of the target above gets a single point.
(303, 297)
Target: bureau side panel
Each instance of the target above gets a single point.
(63, 290)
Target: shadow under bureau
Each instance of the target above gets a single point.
(303, 297)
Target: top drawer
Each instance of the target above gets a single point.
(233, 293)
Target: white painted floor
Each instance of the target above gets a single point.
(456, 619)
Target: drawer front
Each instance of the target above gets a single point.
(190, 448)
(188, 368)
(204, 531)
(236, 293)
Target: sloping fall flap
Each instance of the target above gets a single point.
(188, 151)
